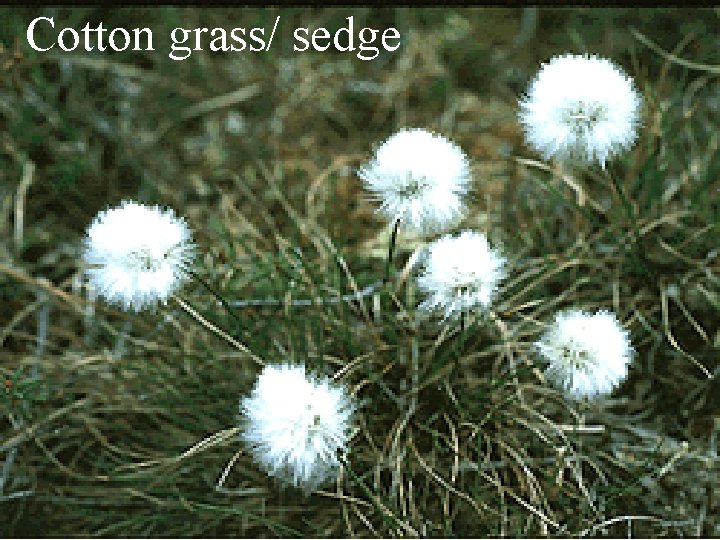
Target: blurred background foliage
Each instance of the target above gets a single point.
(459, 436)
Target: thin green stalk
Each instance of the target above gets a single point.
(216, 294)
(391, 250)
(621, 195)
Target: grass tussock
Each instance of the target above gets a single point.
(118, 424)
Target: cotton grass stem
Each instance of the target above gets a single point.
(210, 326)
(216, 294)
(620, 192)
(391, 251)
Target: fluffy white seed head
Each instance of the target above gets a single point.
(461, 272)
(588, 354)
(295, 424)
(135, 255)
(580, 108)
(420, 178)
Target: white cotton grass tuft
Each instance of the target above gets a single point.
(296, 423)
(420, 178)
(136, 255)
(581, 108)
(461, 273)
(588, 355)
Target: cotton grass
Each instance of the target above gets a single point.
(580, 109)
(136, 255)
(588, 355)
(295, 424)
(420, 178)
